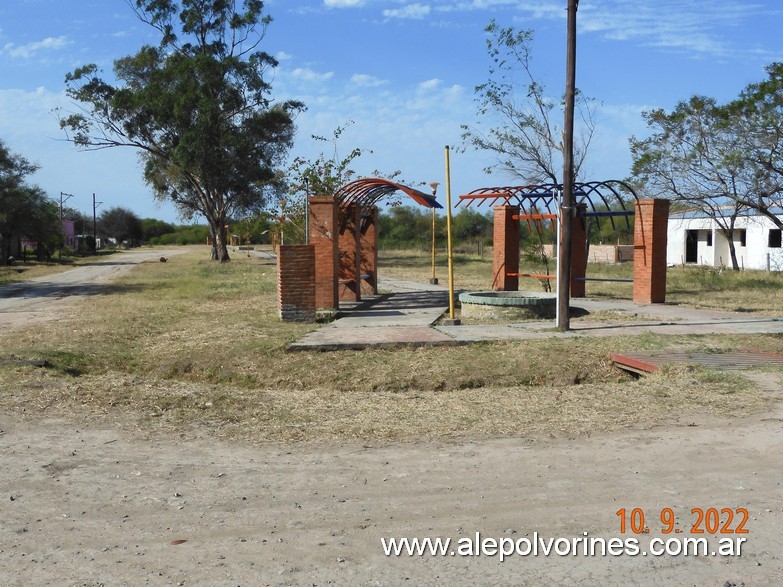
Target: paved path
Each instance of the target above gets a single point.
(407, 315)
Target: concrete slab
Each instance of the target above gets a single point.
(408, 313)
(356, 338)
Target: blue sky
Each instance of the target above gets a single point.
(402, 71)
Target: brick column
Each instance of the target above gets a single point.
(296, 283)
(578, 252)
(348, 286)
(649, 254)
(323, 236)
(505, 248)
(368, 245)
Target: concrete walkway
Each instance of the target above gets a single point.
(408, 313)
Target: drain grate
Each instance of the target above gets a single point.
(741, 359)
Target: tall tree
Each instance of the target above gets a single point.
(694, 157)
(527, 136)
(120, 224)
(24, 209)
(757, 117)
(197, 108)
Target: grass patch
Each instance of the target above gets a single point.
(191, 345)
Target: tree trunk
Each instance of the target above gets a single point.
(5, 249)
(217, 226)
(730, 237)
(733, 253)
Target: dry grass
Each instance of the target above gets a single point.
(698, 287)
(195, 346)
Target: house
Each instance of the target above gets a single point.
(694, 237)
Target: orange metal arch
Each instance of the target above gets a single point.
(367, 192)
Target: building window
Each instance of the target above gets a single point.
(774, 238)
(709, 238)
(742, 237)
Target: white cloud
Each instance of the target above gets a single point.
(343, 3)
(308, 75)
(283, 56)
(30, 49)
(367, 81)
(413, 11)
(430, 84)
(699, 28)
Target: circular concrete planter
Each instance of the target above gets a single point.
(507, 305)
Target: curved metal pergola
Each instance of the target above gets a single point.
(604, 199)
(367, 192)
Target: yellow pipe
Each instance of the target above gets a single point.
(448, 236)
(433, 246)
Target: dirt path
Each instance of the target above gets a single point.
(95, 507)
(91, 506)
(45, 298)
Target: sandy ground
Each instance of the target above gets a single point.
(90, 506)
(45, 298)
(104, 507)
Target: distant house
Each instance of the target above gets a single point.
(694, 237)
(69, 233)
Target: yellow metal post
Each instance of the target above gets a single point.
(452, 320)
(433, 279)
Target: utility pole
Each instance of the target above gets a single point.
(567, 199)
(94, 224)
(63, 198)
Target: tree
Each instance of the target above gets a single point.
(470, 224)
(152, 227)
(757, 117)
(24, 209)
(693, 158)
(120, 224)
(197, 108)
(527, 138)
(723, 159)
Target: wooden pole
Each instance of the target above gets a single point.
(567, 200)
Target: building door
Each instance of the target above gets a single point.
(691, 246)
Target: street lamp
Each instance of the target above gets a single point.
(433, 280)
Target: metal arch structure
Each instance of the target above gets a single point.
(346, 238)
(535, 199)
(367, 192)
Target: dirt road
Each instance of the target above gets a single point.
(85, 505)
(45, 298)
(102, 507)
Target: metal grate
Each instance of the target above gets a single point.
(741, 359)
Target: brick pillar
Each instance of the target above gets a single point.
(649, 254)
(368, 244)
(578, 252)
(296, 283)
(505, 248)
(349, 255)
(323, 236)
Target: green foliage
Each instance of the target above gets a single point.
(120, 224)
(196, 234)
(402, 227)
(151, 228)
(723, 159)
(24, 209)
(197, 107)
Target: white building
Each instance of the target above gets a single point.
(695, 238)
